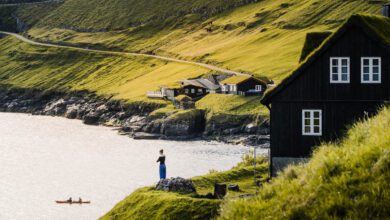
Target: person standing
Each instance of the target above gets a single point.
(163, 169)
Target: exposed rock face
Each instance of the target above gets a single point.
(177, 184)
(134, 118)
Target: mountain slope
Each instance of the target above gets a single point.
(264, 38)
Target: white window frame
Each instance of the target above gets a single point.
(371, 73)
(311, 125)
(232, 87)
(192, 91)
(258, 88)
(339, 69)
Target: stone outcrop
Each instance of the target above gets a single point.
(134, 119)
(177, 184)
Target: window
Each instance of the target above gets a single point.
(186, 91)
(339, 70)
(371, 70)
(258, 88)
(312, 122)
(232, 88)
(200, 91)
(192, 91)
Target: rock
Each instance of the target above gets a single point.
(233, 187)
(91, 118)
(177, 184)
(232, 131)
(187, 124)
(72, 112)
(251, 128)
(146, 136)
(219, 191)
(56, 107)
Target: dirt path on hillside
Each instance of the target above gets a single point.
(30, 3)
(207, 66)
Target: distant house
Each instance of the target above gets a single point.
(346, 78)
(197, 88)
(244, 85)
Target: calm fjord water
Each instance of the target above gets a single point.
(43, 159)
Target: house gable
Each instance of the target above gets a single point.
(361, 30)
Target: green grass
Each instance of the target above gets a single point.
(123, 77)
(146, 203)
(263, 38)
(345, 180)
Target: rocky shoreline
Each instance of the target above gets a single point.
(133, 120)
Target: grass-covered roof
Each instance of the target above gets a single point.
(239, 79)
(374, 25)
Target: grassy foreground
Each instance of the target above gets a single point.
(146, 203)
(346, 180)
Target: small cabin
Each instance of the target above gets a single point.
(244, 85)
(198, 88)
(345, 78)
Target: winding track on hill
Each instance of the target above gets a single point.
(207, 66)
(30, 3)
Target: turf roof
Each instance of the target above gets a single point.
(374, 25)
(238, 79)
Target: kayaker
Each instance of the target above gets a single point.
(80, 200)
(70, 200)
(163, 169)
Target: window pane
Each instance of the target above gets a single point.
(375, 69)
(335, 77)
(307, 121)
(366, 69)
(335, 62)
(366, 77)
(307, 114)
(375, 77)
(344, 77)
(344, 70)
(366, 62)
(317, 122)
(316, 114)
(307, 129)
(335, 70)
(344, 62)
(375, 62)
(317, 130)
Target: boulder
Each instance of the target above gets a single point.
(233, 187)
(219, 191)
(177, 184)
(91, 118)
(251, 128)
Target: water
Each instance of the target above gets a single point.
(43, 159)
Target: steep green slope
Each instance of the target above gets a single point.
(345, 180)
(264, 38)
(124, 77)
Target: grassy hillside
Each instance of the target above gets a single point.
(345, 180)
(127, 78)
(264, 38)
(146, 203)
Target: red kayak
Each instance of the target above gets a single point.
(73, 202)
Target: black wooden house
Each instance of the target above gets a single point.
(344, 79)
(244, 85)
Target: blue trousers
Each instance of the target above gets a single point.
(163, 171)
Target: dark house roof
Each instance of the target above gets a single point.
(377, 27)
(201, 83)
(240, 79)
